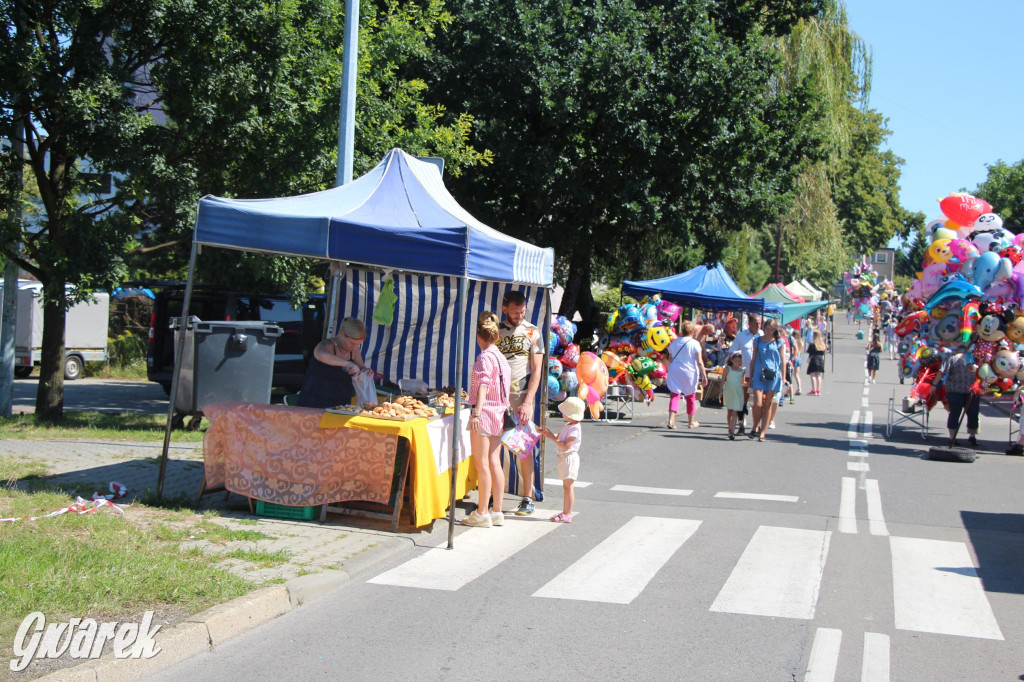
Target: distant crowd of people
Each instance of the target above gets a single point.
(762, 363)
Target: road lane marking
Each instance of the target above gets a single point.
(868, 419)
(857, 466)
(650, 491)
(866, 390)
(479, 550)
(875, 666)
(876, 521)
(824, 655)
(858, 443)
(558, 482)
(864, 402)
(935, 588)
(848, 506)
(854, 430)
(778, 574)
(618, 569)
(758, 496)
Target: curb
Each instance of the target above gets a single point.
(208, 629)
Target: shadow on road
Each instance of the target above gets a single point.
(998, 541)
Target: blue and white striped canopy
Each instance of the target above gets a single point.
(399, 215)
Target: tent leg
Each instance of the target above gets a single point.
(460, 332)
(178, 353)
(334, 293)
(543, 419)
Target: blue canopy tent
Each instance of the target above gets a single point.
(708, 287)
(397, 217)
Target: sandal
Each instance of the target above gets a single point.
(732, 437)
(694, 425)
(761, 438)
(562, 517)
(670, 426)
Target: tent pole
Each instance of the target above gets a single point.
(460, 335)
(178, 353)
(334, 293)
(545, 334)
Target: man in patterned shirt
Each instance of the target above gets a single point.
(522, 345)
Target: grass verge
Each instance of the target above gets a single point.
(103, 566)
(96, 426)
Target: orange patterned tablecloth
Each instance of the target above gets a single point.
(280, 454)
(429, 473)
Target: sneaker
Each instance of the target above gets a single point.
(497, 518)
(477, 520)
(1016, 450)
(525, 507)
(972, 441)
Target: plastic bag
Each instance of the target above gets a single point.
(366, 390)
(522, 440)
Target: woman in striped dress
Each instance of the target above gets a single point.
(488, 395)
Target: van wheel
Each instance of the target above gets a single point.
(72, 367)
(23, 372)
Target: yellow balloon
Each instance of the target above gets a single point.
(939, 251)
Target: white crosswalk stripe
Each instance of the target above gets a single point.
(936, 589)
(779, 574)
(619, 568)
(824, 655)
(478, 552)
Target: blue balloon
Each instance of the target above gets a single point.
(553, 385)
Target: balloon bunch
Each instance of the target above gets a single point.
(636, 335)
(571, 372)
(861, 283)
(968, 293)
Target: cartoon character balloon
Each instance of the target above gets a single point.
(592, 375)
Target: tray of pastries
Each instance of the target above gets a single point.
(404, 408)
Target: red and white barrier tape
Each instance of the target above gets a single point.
(80, 506)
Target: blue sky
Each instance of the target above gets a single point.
(948, 76)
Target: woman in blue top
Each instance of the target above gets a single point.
(767, 376)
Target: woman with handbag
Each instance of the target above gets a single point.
(767, 375)
(488, 397)
(685, 372)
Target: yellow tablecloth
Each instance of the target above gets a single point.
(429, 489)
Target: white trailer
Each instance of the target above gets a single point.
(85, 331)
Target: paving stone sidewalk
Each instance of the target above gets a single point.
(299, 547)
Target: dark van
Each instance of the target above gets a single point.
(302, 328)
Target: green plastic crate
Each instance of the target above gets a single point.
(284, 512)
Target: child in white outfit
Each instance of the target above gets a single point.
(568, 443)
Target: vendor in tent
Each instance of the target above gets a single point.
(335, 361)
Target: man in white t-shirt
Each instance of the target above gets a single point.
(523, 346)
(744, 343)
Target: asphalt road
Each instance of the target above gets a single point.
(825, 553)
(101, 395)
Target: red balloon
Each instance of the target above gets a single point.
(964, 209)
(571, 355)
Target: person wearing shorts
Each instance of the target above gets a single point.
(522, 345)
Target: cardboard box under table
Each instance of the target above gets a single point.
(281, 455)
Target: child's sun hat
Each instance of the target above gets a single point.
(572, 409)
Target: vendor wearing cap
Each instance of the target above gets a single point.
(522, 345)
(335, 361)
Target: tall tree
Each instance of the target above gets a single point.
(632, 135)
(1004, 189)
(866, 190)
(177, 99)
